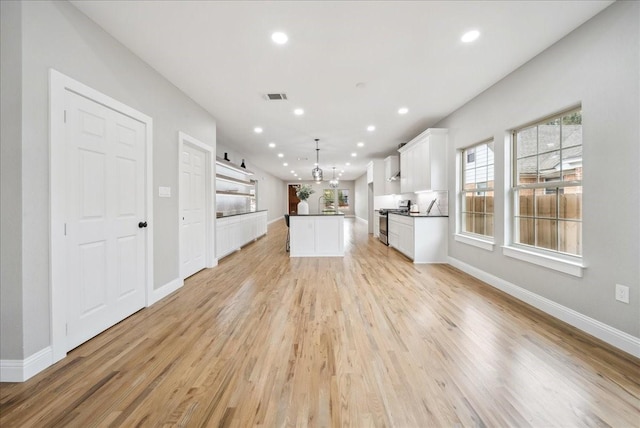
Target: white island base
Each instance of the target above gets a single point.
(316, 235)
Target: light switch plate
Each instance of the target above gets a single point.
(164, 192)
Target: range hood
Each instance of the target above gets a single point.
(392, 168)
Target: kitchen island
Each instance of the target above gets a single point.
(316, 235)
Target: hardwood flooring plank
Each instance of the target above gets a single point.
(365, 340)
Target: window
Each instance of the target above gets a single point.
(547, 184)
(329, 198)
(477, 190)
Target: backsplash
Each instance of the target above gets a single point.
(441, 206)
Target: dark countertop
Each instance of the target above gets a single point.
(419, 215)
(318, 214)
(233, 215)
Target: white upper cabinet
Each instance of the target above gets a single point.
(376, 176)
(391, 169)
(423, 162)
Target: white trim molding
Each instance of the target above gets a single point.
(360, 219)
(59, 84)
(598, 329)
(163, 291)
(476, 242)
(556, 263)
(210, 198)
(22, 370)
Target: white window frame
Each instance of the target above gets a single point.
(485, 242)
(563, 262)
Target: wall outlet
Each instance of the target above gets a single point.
(622, 293)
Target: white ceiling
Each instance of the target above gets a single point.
(404, 53)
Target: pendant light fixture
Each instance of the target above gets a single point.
(334, 183)
(316, 173)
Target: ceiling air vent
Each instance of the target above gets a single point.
(276, 97)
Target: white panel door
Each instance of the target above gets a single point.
(105, 217)
(193, 199)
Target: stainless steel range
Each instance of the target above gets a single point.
(403, 207)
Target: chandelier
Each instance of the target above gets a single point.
(316, 172)
(334, 183)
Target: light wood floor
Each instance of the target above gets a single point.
(365, 340)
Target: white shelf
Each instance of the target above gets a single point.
(224, 192)
(228, 179)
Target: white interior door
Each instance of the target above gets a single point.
(193, 216)
(105, 217)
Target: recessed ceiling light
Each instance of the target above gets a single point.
(470, 36)
(371, 128)
(348, 163)
(340, 175)
(279, 38)
(272, 145)
(257, 130)
(360, 144)
(342, 170)
(285, 164)
(298, 112)
(280, 155)
(403, 110)
(293, 172)
(354, 154)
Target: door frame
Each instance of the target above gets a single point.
(59, 84)
(209, 153)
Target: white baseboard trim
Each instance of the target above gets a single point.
(276, 219)
(600, 330)
(162, 292)
(21, 370)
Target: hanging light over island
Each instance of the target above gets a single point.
(316, 172)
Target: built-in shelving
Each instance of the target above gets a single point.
(235, 191)
(232, 166)
(232, 193)
(228, 179)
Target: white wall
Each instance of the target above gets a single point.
(10, 180)
(361, 197)
(597, 66)
(56, 35)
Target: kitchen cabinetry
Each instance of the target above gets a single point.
(376, 176)
(421, 238)
(238, 230)
(235, 191)
(316, 235)
(391, 169)
(423, 162)
(376, 224)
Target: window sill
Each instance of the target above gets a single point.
(476, 242)
(569, 267)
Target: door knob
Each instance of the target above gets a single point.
(142, 224)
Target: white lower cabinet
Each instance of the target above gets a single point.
(422, 239)
(376, 224)
(238, 230)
